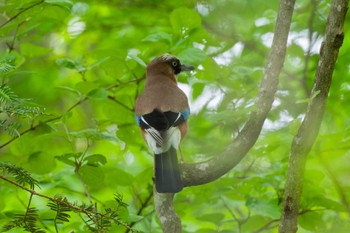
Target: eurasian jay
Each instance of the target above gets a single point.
(161, 112)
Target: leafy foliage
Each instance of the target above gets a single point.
(22, 176)
(12, 107)
(26, 221)
(70, 72)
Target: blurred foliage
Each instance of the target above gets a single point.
(69, 75)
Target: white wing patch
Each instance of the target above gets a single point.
(160, 142)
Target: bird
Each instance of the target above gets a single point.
(161, 112)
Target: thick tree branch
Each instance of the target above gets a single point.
(170, 222)
(303, 141)
(207, 171)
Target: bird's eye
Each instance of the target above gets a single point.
(174, 63)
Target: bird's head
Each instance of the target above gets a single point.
(167, 65)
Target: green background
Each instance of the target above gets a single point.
(71, 70)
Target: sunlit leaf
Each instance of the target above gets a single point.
(96, 160)
(184, 20)
(98, 94)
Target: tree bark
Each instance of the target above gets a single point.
(309, 128)
(170, 222)
(212, 169)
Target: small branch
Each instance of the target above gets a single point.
(28, 207)
(21, 12)
(239, 221)
(121, 103)
(11, 46)
(267, 226)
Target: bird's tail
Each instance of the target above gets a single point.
(167, 172)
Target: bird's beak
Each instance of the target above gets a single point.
(186, 67)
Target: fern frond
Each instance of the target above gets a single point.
(61, 210)
(7, 64)
(21, 176)
(26, 221)
(7, 95)
(119, 199)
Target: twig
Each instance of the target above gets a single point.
(28, 207)
(120, 103)
(239, 221)
(11, 45)
(21, 12)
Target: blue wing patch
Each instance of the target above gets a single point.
(186, 113)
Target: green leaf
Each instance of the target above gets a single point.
(95, 134)
(184, 20)
(72, 90)
(160, 36)
(67, 4)
(211, 70)
(67, 63)
(192, 56)
(133, 54)
(134, 218)
(120, 177)
(97, 63)
(93, 176)
(268, 208)
(312, 221)
(40, 157)
(96, 160)
(254, 223)
(98, 94)
(69, 158)
(215, 218)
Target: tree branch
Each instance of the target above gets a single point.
(170, 222)
(212, 169)
(303, 141)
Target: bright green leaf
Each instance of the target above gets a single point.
(184, 20)
(192, 56)
(96, 160)
(98, 94)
